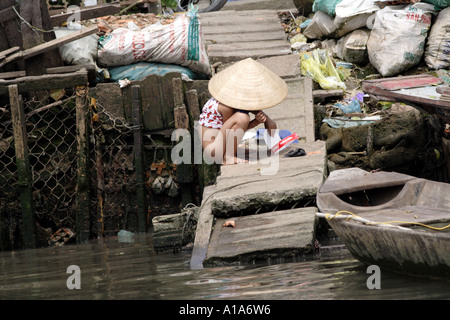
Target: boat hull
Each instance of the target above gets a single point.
(413, 252)
(390, 215)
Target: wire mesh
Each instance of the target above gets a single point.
(113, 175)
(50, 125)
(9, 206)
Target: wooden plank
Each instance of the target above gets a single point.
(53, 57)
(139, 158)
(152, 102)
(23, 167)
(31, 37)
(193, 106)
(46, 82)
(92, 72)
(45, 47)
(167, 98)
(87, 13)
(7, 52)
(8, 14)
(82, 220)
(403, 82)
(180, 115)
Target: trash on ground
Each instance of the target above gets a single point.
(319, 66)
(295, 153)
(125, 236)
(61, 236)
(346, 122)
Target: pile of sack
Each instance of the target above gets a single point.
(132, 52)
(392, 35)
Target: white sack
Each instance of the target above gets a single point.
(437, 54)
(350, 8)
(78, 52)
(180, 42)
(353, 47)
(322, 25)
(397, 40)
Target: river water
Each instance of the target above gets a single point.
(112, 269)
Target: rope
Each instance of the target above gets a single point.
(350, 215)
(27, 23)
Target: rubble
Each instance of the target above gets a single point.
(345, 30)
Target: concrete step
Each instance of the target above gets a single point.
(236, 35)
(242, 187)
(278, 234)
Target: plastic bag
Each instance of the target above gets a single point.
(319, 66)
(439, 3)
(78, 52)
(351, 8)
(322, 25)
(180, 42)
(437, 54)
(140, 70)
(397, 40)
(327, 6)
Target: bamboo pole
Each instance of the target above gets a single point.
(82, 221)
(139, 157)
(23, 167)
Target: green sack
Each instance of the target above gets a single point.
(328, 6)
(441, 4)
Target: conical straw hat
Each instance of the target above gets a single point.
(248, 85)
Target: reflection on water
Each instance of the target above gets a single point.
(116, 270)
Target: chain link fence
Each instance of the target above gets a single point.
(112, 173)
(9, 194)
(61, 208)
(50, 126)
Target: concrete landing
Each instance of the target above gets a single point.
(276, 234)
(235, 35)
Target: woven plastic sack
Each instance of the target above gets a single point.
(319, 66)
(397, 40)
(437, 54)
(180, 42)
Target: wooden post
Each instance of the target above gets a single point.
(23, 167)
(184, 174)
(82, 220)
(139, 157)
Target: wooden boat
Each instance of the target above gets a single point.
(395, 221)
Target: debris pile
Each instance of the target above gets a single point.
(345, 44)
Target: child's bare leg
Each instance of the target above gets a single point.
(234, 129)
(221, 144)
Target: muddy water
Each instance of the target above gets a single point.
(112, 269)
